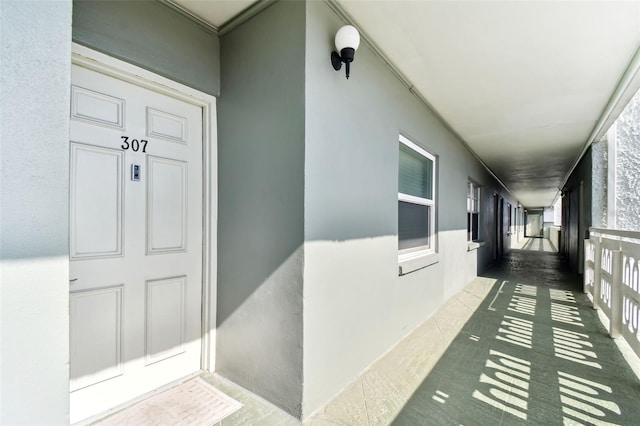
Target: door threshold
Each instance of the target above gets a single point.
(101, 416)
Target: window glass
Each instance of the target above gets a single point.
(473, 211)
(415, 173)
(416, 193)
(413, 225)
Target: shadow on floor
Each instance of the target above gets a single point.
(536, 244)
(534, 352)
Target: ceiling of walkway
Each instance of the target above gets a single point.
(526, 84)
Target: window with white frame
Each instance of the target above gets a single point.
(473, 211)
(416, 199)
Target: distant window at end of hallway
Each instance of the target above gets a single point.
(473, 211)
(416, 199)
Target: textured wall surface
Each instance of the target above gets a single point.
(34, 204)
(628, 167)
(152, 36)
(599, 194)
(261, 205)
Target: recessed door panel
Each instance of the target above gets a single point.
(166, 320)
(166, 205)
(96, 317)
(168, 126)
(96, 220)
(97, 107)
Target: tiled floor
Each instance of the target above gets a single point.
(255, 410)
(519, 345)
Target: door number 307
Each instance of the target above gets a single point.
(134, 145)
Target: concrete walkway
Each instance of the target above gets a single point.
(519, 345)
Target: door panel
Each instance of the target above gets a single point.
(97, 221)
(166, 320)
(167, 126)
(166, 205)
(102, 359)
(96, 107)
(136, 244)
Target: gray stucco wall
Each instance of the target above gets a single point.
(599, 176)
(627, 184)
(261, 205)
(153, 36)
(356, 306)
(34, 210)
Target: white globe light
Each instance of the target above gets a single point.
(347, 36)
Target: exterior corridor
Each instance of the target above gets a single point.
(520, 345)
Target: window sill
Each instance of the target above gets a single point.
(412, 262)
(474, 245)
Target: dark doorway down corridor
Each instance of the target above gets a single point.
(534, 352)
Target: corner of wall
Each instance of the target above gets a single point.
(261, 145)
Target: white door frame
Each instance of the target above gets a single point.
(96, 61)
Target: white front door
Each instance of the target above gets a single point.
(136, 241)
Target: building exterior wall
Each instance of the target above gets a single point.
(627, 167)
(599, 187)
(355, 304)
(34, 205)
(261, 205)
(152, 36)
(308, 288)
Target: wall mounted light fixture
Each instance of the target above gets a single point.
(347, 42)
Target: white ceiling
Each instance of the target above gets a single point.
(523, 83)
(215, 12)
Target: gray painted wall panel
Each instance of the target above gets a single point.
(152, 36)
(261, 205)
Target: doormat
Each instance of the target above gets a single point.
(192, 403)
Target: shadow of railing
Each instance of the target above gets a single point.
(536, 244)
(534, 352)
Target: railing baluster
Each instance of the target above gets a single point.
(616, 282)
(587, 266)
(615, 323)
(597, 273)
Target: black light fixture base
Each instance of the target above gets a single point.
(347, 54)
(336, 61)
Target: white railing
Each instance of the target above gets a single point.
(612, 278)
